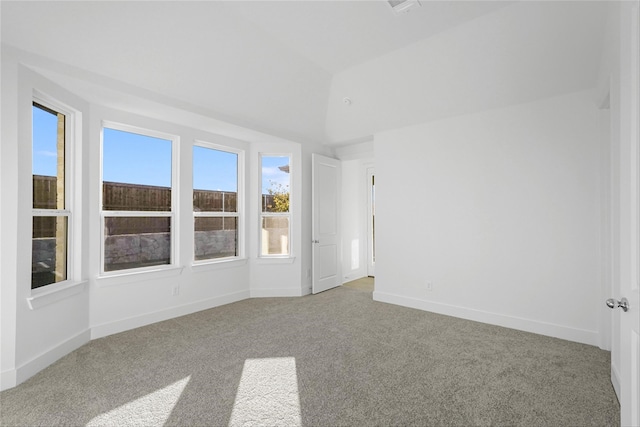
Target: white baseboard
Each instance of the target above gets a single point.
(13, 377)
(527, 325)
(8, 379)
(111, 328)
(19, 375)
(615, 380)
(275, 293)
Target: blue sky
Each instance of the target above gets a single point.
(139, 159)
(44, 142)
(271, 173)
(214, 170)
(135, 159)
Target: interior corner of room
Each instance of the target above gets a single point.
(477, 160)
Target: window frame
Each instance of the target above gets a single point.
(49, 103)
(240, 211)
(172, 214)
(262, 214)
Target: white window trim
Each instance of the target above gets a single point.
(46, 296)
(137, 275)
(218, 264)
(240, 214)
(276, 260)
(53, 292)
(266, 257)
(173, 214)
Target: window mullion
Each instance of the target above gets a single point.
(51, 212)
(216, 214)
(137, 213)
(275, 214)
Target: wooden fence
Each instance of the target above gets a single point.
(117, 196)
(45, 190)
(146, 198)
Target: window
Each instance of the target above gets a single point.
(137, 199)
(216, 203)
(275, 217)
(51, 208)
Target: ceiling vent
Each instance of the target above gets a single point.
(402, 6)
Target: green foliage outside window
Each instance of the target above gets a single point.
(280, 195)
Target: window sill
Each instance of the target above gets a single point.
(218, 264)
(45, 296)
(275, 260)
(119, 278)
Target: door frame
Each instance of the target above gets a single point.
(371, 261)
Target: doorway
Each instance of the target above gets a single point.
(371, 222)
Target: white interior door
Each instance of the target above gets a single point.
(628, 302)
(630, 283)
(326, 251)
(629, 264)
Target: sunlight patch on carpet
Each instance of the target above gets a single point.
(267, 394)
(150, 410)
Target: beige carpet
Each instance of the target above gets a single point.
(333, 359)
(363, 284)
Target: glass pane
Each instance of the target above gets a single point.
(48, 158)
(216, 237)
(133, 197)
(275, 183)
(275, 235)
(48, 250)
(136, 172)
(134, 242)
(215, 180)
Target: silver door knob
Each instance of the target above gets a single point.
(623, 303)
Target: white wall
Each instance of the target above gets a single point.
(354, 243)
(354, 218)
(125, 301)
(9, 214)
(355, 158)
(498, 209)
(38, 326)
(33, 338)
(500, 212)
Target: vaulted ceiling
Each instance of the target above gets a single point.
(284, 67)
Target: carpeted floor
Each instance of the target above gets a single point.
(362, 284)
(336, 358)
